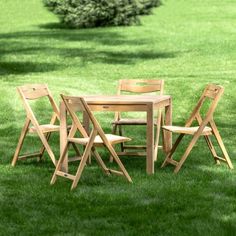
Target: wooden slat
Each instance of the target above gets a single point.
(140, 88)
(140, 85)
(130, 122)
(24, 157)
(116, 172)
(66, 175)
(124, 99)
(141, 81)
(74, 102)
(138, 147)
(187, 130)
(171, 161)
(131, 154)
(113, 139)
(75, 106)
(32, 86)
(46, 128)
(212, 91)
(72, 159)
(135, 147)
(220, 158)
(120, 107)
(35, 94)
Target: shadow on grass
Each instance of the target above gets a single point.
(203, 198)
(7, 68)
(113, 57)
(53, 43)
(54, 26)
(99, 36)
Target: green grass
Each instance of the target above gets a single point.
(186, 43)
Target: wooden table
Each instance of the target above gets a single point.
(137, 103)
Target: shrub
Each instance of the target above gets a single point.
(145, 6)
(93, 13)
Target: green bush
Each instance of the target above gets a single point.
(94, 13)
(145, 6)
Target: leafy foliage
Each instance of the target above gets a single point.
(95, 13)
(145, 6)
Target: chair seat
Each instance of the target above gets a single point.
(113, 139)
(131, 122)
(187, 130)
(46, 128)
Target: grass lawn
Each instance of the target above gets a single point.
(188, 44)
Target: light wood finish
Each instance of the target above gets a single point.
(33, 92)
(187, 130)
(97, 138)
(46, 128)
(138, 86)
(138, 103)
(206, 128)
(113, 139)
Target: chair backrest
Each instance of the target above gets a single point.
(36, 91)
(140, 86)
(75, 104)
(213, 93)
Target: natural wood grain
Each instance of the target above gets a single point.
(32, 92)
(141, 87)
(96, 138)
(206, 128)
(121, 103)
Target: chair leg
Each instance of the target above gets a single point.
(187, 151)
(114, 130)
(20, 142)
(100, 161)
(121, 134)
(157, 135)
(46, 145)
(221, 144)
(72, 134)
(212, 149)
(163, 142)
(84, 159)
(76, 149)
(118, 161)
(59, 164)
(42, 150)
(169, 155)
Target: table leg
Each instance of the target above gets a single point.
(168, 121)
(86, 122)
(87, 129)
(150, 140)
(63, 135)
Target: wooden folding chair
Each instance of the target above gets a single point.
(96, 138)
(138, 86)
(33, 92)
(213, 93)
